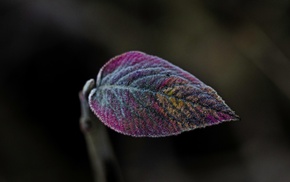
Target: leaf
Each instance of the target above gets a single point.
(145, 96)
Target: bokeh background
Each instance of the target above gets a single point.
(48, 49)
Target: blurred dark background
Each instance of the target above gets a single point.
(48, 50)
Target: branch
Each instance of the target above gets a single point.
(104, 163)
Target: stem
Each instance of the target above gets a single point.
(104, 163)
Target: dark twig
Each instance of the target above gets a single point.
(104, 163)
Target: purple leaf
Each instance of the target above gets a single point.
(145, 96)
